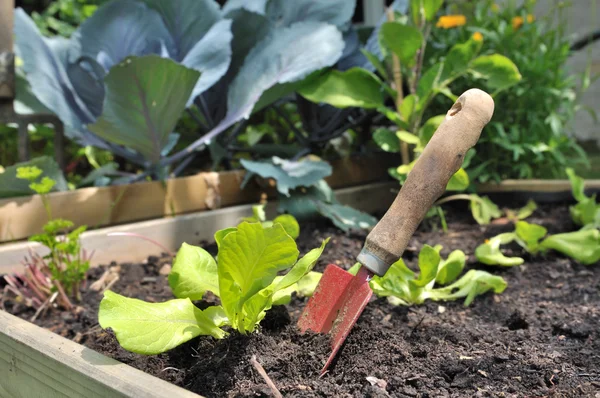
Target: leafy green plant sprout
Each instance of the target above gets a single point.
(582, 245)
(246, 277)
(402, 286)
(586, 213)
(57, 275)
(41, 187)
(482, 209)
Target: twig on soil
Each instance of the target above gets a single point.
(110, 284)
(414, 329)
(43, 307)
(265, 376)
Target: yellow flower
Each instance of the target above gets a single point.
(517, 22)
(477, 36)
(451, 21)
(495, 7)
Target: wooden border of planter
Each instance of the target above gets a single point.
(551, 186)
(104, 206)
(35, 362)
(191, 228)
(542, 191)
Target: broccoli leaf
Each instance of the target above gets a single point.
(153, 328)
(194, 273)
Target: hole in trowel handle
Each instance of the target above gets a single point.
(457, 107)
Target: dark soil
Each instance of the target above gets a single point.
(541, 337)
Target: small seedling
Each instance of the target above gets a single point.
(402, 286)
(57, 275)
(582, 245)
(586, 212)
(287, 221)
(246, 277)
(484, 211)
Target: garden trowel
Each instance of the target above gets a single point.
(340, 297)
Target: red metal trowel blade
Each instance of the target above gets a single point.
(336, 305)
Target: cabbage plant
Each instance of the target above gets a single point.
(125, 76)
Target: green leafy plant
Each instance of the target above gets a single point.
(586, 212)
(482, 209)
(245, 277)
(528, 136)
(194, 45)
(402, 286)
(64, 16)
(287, 221)
(58, 274)
(304, 193)
(582, 245)
(403, 42)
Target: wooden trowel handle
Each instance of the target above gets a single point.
(428, 179)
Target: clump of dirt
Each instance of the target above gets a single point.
(539, 338)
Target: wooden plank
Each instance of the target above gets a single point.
(35, 362)
(6, 25)
(102, 206)
(550, 186)
(191, 228)
(6, 43)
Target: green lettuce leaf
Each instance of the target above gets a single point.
(249, 260)
(153, 328)
(450, 268)
(194, 273)
(583, 245)
(489, 252)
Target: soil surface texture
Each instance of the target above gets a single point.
(540, 338)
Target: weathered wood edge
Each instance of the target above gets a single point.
(192, 228)
(533, 186)
(35, 362)
(105, 206)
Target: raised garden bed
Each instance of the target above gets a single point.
(105, 206)
(173, 231)
(538, 338)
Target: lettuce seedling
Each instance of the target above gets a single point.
(489, 252)
(287, 221)
(245, 277)
(586, 212)
(483, 209)
(403, 287)
(582, 245)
